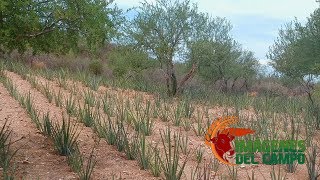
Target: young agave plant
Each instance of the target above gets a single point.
(199, 155)
(76, 161)
(202, 172)
(177, 115)
(87, 116)
(277, 175)
(144, 153)
(6, 153)
(187, 124)
(71, 105)
(172, 168)
(233, 173)
(184, 145)
(47, 92)
(188, 108)
(312, 165)
(65, 137)
(155, 166)
(89, 98)
(141, 120)
(58, 99)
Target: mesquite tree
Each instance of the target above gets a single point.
(164, 29)
(55, 26)
(296, 54)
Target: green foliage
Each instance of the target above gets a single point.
(184, 145)
(6, 153)
(210, 48)
(87, 116)
(199, 128)
(203, 172)
(233, 173)
(155, 30)
(65, 137)
(316, 93)
(222, 59)
(155, 166)
(296, 51)
(177, 111)
(144, 153)
(76, 161)
(71, 105)
(58, 99)
(170, 165)
(89, 98)
(96, 67)
(277, 175)
(47, 125)
(47, 92)
(141, 119)
(110, 132)
(199, 155)
(126, 59)
(56, 26)
(313, 167)
(296, 54)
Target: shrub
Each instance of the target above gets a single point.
(125, 60)
(271, 88)
(96, 67)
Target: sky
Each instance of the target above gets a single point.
(255, 22)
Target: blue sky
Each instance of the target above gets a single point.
(255, 22)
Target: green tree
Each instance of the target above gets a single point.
(296, 54)
(55, 26)
(126, 59)
(163, 29)
(222, 60)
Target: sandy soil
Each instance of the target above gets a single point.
(110, 162)
(36, 157)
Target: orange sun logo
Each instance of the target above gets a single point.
(219, 137)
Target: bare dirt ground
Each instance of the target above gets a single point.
(38, 159)
(35, 158)
(110, 161)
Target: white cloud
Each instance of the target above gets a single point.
(264, 61)
(130, 3)
(283, 9)
(278, 9)
(255, 22)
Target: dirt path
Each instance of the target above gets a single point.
(36, 158)
(110, 161)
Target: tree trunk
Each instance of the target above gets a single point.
(233, 84)
(314, 108)
(245, 84)
(171, 80)
(174, 83)
(186, 78)
(225, 85)
(168, 83)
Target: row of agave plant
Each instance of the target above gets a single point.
(272, 116)
(111, 117)
(115, 132)
(64, 135)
